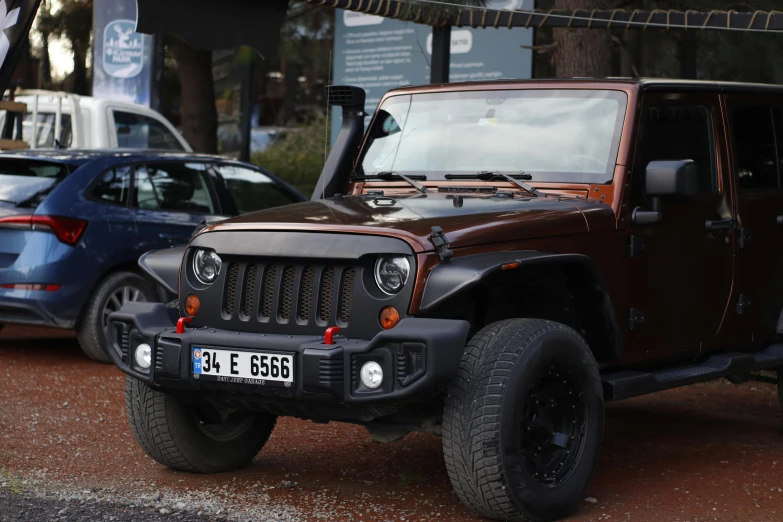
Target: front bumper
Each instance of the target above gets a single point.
(419, 357)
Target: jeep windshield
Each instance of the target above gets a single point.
(558, 135)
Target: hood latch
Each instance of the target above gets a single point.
(441, 244)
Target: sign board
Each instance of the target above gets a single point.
(379, 54)
(122, 57)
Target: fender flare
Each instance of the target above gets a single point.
(461, 275)
(163, 266)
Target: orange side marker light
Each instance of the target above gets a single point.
(192, 305)
(389, 317)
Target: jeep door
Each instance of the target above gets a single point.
(680, 270)
(756, 126)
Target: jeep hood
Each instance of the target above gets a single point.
(466, 219)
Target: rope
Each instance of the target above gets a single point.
(611, 18)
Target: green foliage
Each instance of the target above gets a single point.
(299, 157)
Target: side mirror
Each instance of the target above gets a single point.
(666, 179)
(679, 178)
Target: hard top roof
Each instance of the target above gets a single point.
(645, 84)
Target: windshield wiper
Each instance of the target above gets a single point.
(390, 176)
(512, 178)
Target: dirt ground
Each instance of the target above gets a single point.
(706, 452)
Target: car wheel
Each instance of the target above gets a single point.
(109, 296)
(523, 421)
(185, 437)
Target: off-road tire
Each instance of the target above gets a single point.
(780, 387)
(482, 420)
(90, 332)
(168, 431)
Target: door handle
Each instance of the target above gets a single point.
(720, 224)
(780, 220)
(167, 237)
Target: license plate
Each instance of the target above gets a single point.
(242, 367)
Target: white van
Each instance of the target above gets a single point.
(71, 121)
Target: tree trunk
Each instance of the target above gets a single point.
(198, 113)
(687, 50)
(81, 84)
(630, 57)
(582, 52)
(45, 81)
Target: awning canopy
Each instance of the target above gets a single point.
(207, 24)
(443, 12)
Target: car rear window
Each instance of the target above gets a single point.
(26, 183)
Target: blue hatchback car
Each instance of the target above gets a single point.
(74, 223)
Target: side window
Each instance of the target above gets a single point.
(45, 129)
(679, 132)
(144, 195)
(135, 131)
(113, 186)
(174, 187)
(252, 190)
(754, 147)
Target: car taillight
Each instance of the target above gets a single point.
(68, 230)
(28, 286)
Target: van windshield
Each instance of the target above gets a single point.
(561, 135)
(26, 183)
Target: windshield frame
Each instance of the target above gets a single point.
(619, 93)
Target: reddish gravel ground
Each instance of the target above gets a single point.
(706, 452)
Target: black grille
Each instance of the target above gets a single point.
(305, 294)
(346, 295)
(270, 272)
(330, 370)
(287, 292)
(249, 300)
(230, 299)
(125, 341)
(279, 292)
(325, 298)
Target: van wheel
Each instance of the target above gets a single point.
(523, 421)
(183, 436)
(111, 293)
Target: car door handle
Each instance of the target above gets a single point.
(720, 224)
(780, 220)
(167, 237)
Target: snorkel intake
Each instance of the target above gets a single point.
(337, 169)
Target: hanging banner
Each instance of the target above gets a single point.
(379, 54)
(16, 18)
(122, 58)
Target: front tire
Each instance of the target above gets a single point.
(111, 293)
(179, 436)
(523, 421)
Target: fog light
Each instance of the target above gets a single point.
(371, 374)
(143, 356)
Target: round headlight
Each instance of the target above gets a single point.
(391, 274)
(206, 266)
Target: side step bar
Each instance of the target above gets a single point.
(622, 385)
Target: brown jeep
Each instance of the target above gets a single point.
(489, 262)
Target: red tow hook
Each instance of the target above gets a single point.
(330, 333)
(181, 324)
